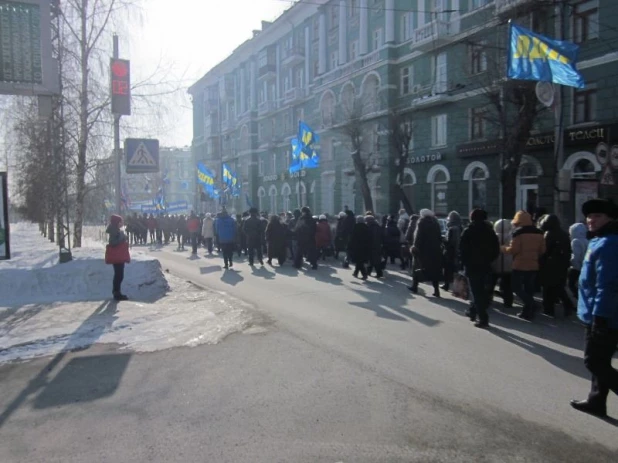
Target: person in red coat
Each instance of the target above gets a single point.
(193, 227)
(323, 236)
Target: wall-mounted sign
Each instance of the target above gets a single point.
(425, 158)
(120, 72)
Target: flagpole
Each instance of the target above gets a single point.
(558, 128)
(298, 195)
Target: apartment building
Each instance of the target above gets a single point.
(439, 60)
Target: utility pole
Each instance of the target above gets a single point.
(117, 143)
(560, 181)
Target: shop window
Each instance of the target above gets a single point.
(584, 169)
(261, 193)
(439, 179)
(272, 193)
(478, 189)
(285, 198)
(301, 194)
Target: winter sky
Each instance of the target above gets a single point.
(193, 36)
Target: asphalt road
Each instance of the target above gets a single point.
(339, 370)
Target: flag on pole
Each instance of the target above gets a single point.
(304, 154)
(533, 56)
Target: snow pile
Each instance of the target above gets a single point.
(47, 308)
(33, 274)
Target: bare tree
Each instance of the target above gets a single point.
(358, 131)
(399, 129)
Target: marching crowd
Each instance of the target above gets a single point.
(519, 256)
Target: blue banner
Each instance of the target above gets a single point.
(533, 56)
(304, 154)
(206, 178)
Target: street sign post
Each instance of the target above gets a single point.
(5, 249)
(142, 155)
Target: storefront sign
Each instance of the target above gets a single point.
(586, 136)
(480, 148)
(270, 178)
(425, 158)
(540, 141)
(284, 176)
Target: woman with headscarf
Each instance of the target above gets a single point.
(427, 252)
(451, 247)
(323, 237)
(359, 246)
(117, 245)
(502, 267)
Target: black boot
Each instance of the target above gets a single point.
(587, 407)
(118, 296)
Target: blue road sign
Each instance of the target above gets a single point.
(142, 155)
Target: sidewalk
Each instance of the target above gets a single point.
(47, 308)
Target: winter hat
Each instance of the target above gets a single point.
(342, 215)
(478, 215)
(322, 217)
(115, 220)
(600, 206)
(426, 213)
(360, 219)
(503, 227)
(522, 219)
(208, 216)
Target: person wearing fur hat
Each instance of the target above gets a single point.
(579, 245)
(597, 306)
(527, 246)
(479, 247)
(502, 267)
(116, 237)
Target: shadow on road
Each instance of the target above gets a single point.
(262, 272)
(231, 277)
(91, 329)
(210, 269)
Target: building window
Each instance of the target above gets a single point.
(286, 192)
(260, 166)
(585, 21)
(334, 16)
(478, 58)
(477, 124)
(439, 187)
(300, 78)
(478, 189)
(260, 133)
(584, 104)
(353, 50)
(479, 3)
(441, 74)
(407, 26)
(407, 80)
(316, 68)
(334, 59)
(377, 39)
(353, 7)
(584, 169)
(272, 193)
(260, 194)
(328, 106)
(286, 83)
(438, 130)
(316, 29)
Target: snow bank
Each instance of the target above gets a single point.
(40, 314)
(33, 275)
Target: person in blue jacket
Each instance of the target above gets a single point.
(597, 305)
(225, 228)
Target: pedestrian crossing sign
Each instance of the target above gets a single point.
(142, 155)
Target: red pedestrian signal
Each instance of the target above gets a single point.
(120, 73)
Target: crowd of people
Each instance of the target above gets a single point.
(521, 256)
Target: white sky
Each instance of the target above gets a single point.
(193, 36)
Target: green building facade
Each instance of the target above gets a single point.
(441, 62)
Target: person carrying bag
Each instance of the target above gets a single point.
(117, 254)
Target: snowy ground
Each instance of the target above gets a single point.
(47, 308)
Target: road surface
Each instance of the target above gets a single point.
(339, 370)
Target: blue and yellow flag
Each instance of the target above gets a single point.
(304, 154)
(533, 56)
(206, 178)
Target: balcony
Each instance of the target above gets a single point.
(505, 6)
(293, 94)
(434, 34)
(432, 98)
(265, 107)
(293, 56)
(267, 71)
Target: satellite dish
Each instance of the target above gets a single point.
(545, 93)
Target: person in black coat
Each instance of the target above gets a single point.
(343, 232)
(276, 238)
(305, 237)
(479, 247)
(554, 265)
(427, 252)
(451, 251)
(375, 245)
(392, 241)
(359, 250)
(252, 227)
